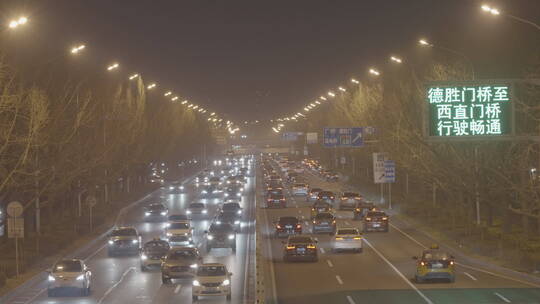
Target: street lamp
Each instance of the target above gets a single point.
(331, 94)
(113, 66)
(167, 94)
(133, 76)
(174, 98)
(342, 89)
(425, 43)
(355, 81)
(495, 12)
(77, 49)
(322, 98)
(17, 22)
(151, 86)
(396, 59)
(374, 72)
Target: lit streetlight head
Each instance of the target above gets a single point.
(374, 72)
(113, 66)
(317, 102)
(396, 59)
(322, 98)
(491, 10)
(77, 49)
(175, 98)
(424, 42)
(133, 76)
(16, 22)
(332, 94)
(184, 102)
(22, 20)
(342, 89)
(355, 81)
(306, 109)
(167, 94)
(151, 86)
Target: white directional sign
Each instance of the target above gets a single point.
(378, 167)
(15, 227)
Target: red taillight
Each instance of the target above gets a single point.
(422, 264)
(269, 199)
(278, 226)
(385, 218)
(368, 219)
(282, 199)
(451, 262)
(298, 226)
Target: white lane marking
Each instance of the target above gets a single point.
(470, 267)
(329, 263)
(115, 284)
(306, 223)
(470, 276)
(177, 289)
(338, 278)
(502, 298)
(350, 299)
(95, 252)
(347, 223)
(399, 273)
(322, 249)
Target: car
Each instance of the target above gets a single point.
(228, 218)
(276, 200)
(200, 179)
(348, 200)
(152, 252)
(319, 207)
(434, 263)
(376, 221)
(292, 176)
(176, 187)
(155, 212)
(210, 191)
(313, 194)
(361, 209)
(347, 238)
(211, 279)
(177, 218)
(275, 177)
(214, 181)
(299, 169)
(123, 240)
(231, 207)
(69, 274)
(327, 196)
(179, 229)
(180, 262)
(233, 191)
(331, 177)
(196, 208)
(220, 236)
(273, 191)
(324, 222)
(300, 248)
(288, 225)
(300, 189)
(274, 185)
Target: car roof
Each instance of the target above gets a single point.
(288, 219)
(300, 238)
(324, 214)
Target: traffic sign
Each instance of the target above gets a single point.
(343, 137)
(379, 171)
(311, 138)
(15, 209)
(291, 136)
(389, 171)
(15, 227)
(91, 200)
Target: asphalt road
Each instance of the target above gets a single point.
(118, 280)
(384, 272)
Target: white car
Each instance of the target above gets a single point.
(212, 279)
(182, 228)
(196, 208)
(299, 170)
(300, 189)
(347, 238)
(69, 274)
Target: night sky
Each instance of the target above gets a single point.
(263, 59)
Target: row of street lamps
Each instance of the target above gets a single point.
(374, 72)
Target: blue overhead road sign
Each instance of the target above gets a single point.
(343, 137)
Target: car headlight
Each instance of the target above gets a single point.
(226, 282)
(218, 222)
(236, 222)
(241, 189)
(196, 283)
(204, 192)
(146, 213)
(238, 194)
(143, 257)
(215, 191)
(111, 242)
(231, 236)
(171, 188)
(209, 237)
(188, 211)
(169, 234)
(80, 277)
(135, 241)
(193, 266)
(204, 211)
(51, 278)
(164, 213)
(181, 187)
(226, 194)
(239, 212)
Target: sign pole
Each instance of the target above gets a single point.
(91, 227)
(16, 256)
(382, 193)
(476, 192)
(389, 196)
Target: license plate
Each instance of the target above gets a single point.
(376, 225)
(288, 226)
(300, 250)
(324, 223)
(437, 265)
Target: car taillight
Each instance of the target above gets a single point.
(311, 246)
(357, 238)
(282, 199)
(357, 209)
(339, 238)
(384, 218)
(269, 199)
(334, 221)
(278, 226)
(290, 247)
(451, 262)
(368, 219)
(312, 209)
(298, 226)
(314, 222)
(422, 263)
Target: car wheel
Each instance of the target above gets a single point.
(360, 250)
(50, 292)
(165, 280)
(229, 297)
(143, 269)
(195, 298)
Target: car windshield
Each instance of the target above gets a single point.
(288, 219)
(436, 255)
(211, 271)
(276, 196)
(221, 228)
(350, 194)
(178, 217)
(179, 226)
(214, 179)
(231, 206)
(324, 216)
(68, 266)
(156, 245)
(124, 232)
(321, 205)
(196, 205)
(300, 240)
(325, 193)
(316, 190)
(347, 231)
(181, 254)
(376, 214)
(156, 207)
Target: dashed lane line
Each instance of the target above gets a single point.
(115, 284)
(421, 294)
(338, 278)
(177, 289)
(329, 263)
(350, 299)
(321, 249)
(502, 297)
(470, 276)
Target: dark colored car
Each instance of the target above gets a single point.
(152, 252)
(319, 207)
(300, 248)
(273, 185)
(234, 190)
(228, 218)
(123, 240)
(324, 222)
(232, 208)
(273, 191)
(155, 212)
(376, 221)
(313, 194)
(220, 236)
(287, 225)
(276, 200)
(326, 196)
(331, 177)
(361, 209)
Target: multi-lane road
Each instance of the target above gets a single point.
(118, 280)
(384, 272)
